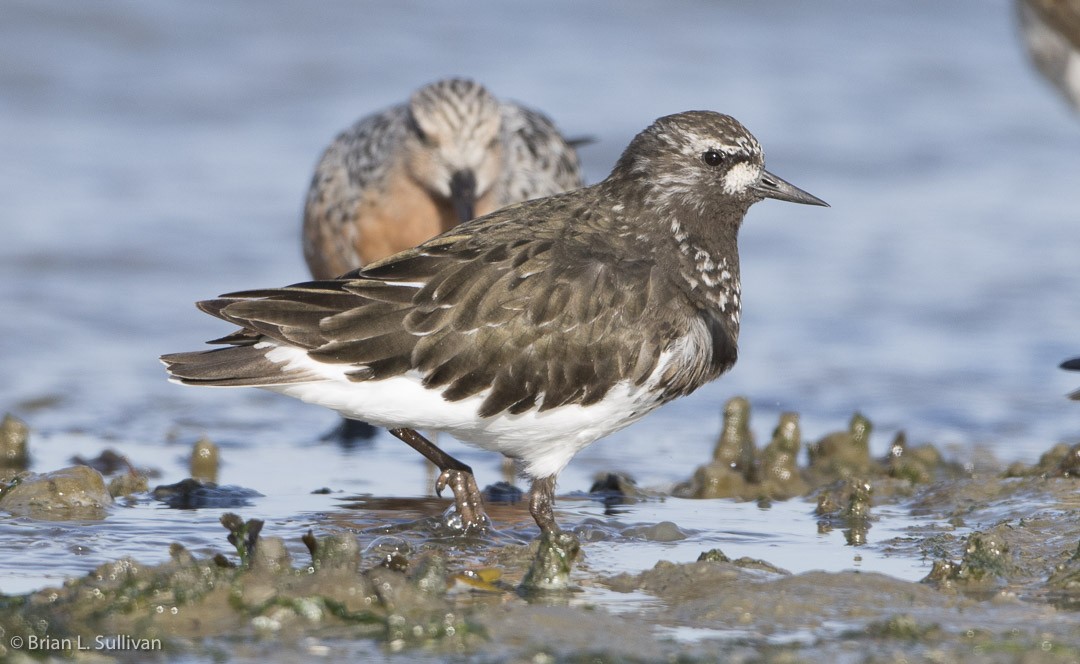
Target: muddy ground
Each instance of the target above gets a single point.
(1007, 591)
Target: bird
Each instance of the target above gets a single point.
(1072, 365)
(1050, 29)
(532, 331)
(403, 175)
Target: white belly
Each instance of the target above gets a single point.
(545, 442)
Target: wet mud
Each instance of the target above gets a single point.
(1002, 546)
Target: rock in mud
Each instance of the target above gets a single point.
(775, 475)
(735, 448)
(718, 556)
(77, 492)
(193, 494)
(1060, 460)
(715, 480)
(108, 462)
(732, 473)
(986, 565)
(665, 531)
(918, 464)
(339, 551)
(550, 568)
(14, 443)
(616, 489)
(846, 504)
(843, 454)
(192, 598)
(127, 484)
(502, 492)
(1064, 582)
(205, 460)
(779, 471)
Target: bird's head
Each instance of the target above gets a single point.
(453, 148)
(703, 160)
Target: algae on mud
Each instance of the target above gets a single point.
(1004, 584)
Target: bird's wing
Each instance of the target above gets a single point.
(358, 155)
(538, 160)
(350, 169)
(528, 314)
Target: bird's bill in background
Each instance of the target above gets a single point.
(771, 186)
(1072, 365)
(463, 195)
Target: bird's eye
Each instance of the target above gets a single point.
(712, 158)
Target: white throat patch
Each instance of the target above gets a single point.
(740, 177)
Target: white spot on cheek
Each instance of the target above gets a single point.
(740, 177)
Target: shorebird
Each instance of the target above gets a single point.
(532, 331)
(410, 172)
(1072, 365)
(1051, 31)
(403, 175)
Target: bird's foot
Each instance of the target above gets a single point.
(550, 569)
(468, 504)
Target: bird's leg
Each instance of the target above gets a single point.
(550, 569)
(456, 475)
(542, 504)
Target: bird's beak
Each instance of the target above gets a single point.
(463, 195)
(770, 186)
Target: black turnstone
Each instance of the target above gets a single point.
(410, 172)
(532, 331)
(405, 174)
(1072, 365)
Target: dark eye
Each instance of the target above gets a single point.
(712, 158)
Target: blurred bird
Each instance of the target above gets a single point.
(1072, 365)
(406, 174)
(1051, 31)
(532, 331)
(410, 172)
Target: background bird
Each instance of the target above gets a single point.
(410, 172)
(532, 331)
(1051, 31)
(1072, 365)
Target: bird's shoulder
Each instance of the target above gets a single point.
(539, 160)
(531, 307)
(364, 150)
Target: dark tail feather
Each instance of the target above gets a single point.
(238, 366)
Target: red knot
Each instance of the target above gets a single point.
(406, 174)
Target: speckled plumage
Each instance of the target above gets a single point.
(1051, 31)
(385, 184)
(537, 329)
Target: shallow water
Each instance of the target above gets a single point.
(158, 154)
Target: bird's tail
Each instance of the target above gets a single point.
(235, 366)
